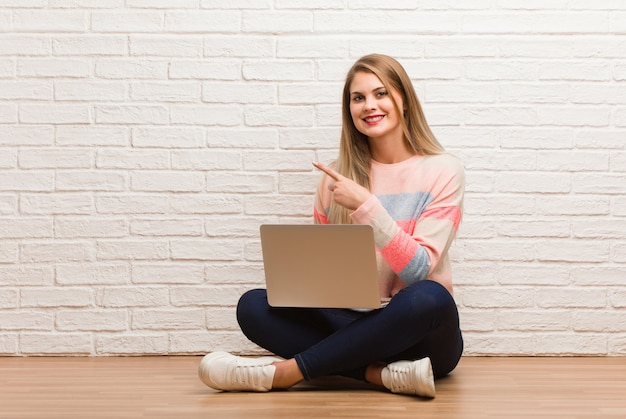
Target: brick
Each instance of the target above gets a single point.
(292, 205)
(543, 138)
(568, 250)
(8, 344)
(572, 205)
(55, 158)
(240, 182)
(179, 319)
(276, 22)
(597, 275)
(8, 204)
(27, 45)
(207, 204)
(236, 4)
(84, 45)
(298, 160)
(206, 296)
(92, 91)
(219, 273)
(529, 182)
(307, 94)
(8, 160)
(222, 226)
(132, 344)
(54, 114)
(73, 135)
(297, 183)
(57, 252)
(168, 137)
(9, 298)
(56, 203)
(243, 138)
(26, 228)
(222, 21)
(209, 115)
(162, 4)
(598, 320)
(83, 180)
(56, 297)
(23, 275)
(132, 249)
(129, 21)
(132, 203)
(9, 252)
(309, 138)
(25, 90)
(93, 274)
(244, 46)
(26, 181)
(570, 297)
(165, 92)
(525, 321)
(290, 116)
(164, 227)
(8, 113)
(162, 181)
(562, 161)
(131, 114)
(44, 67)
(205, 70)
(576, 344)
(132, 69)
(89, 227)
(92, 320)
(160, 46)
(55, 343)
(206, 249)
(283, 70)
(117, 297)
(608, 183)
(124, 158)
(206, 160)
(49, 21)
(520, 115)
(238, 93)
(167, 273)
(26, 320)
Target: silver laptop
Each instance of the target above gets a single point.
(323, 266)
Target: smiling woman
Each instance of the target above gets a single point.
(392, 174)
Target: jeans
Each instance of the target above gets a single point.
(420, 321)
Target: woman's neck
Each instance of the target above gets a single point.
(389, 152)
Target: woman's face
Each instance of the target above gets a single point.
(372, 108)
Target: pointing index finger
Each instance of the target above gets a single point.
(330, 172)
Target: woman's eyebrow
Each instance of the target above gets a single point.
(356, 92)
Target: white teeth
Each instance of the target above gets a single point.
(374, 118)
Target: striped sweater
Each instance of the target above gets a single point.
(415, 211)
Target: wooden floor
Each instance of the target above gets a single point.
(168, 387)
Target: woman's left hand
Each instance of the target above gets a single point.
(346, 192)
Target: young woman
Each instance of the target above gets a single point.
(394, 175)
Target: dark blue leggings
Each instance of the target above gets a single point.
(420, 321)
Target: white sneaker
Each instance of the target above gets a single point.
(223, 371)
(410, 377)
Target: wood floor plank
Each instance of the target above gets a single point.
(168, 387)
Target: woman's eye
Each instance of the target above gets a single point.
(357, 98)
(382, 93)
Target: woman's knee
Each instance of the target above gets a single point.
(249, 305)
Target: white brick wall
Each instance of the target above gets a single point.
(142, 142)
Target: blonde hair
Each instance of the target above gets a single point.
(354, 153)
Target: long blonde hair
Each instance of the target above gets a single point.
(354, 153)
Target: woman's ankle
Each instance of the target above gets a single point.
(287, 374)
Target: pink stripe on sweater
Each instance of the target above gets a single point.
(452, 214)
(399, 251)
